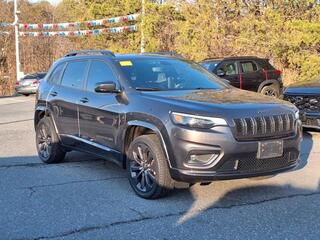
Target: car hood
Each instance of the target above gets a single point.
(310, 87)
(230, 100)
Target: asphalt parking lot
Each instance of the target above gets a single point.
(87, 198)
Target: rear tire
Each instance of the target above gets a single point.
(48, 144)
(271, 91)
(147, 168)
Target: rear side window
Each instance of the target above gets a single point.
(99, 72)
(264, 63)
(41, 75)
(56, 74)
(74, 74)
(248, 67)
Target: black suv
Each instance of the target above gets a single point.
(248, 73)
(306, 96)
(167, 120)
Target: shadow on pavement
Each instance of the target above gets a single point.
(183, 204)
(306, 148)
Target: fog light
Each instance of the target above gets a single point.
(202, 159)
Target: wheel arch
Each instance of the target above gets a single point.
(137, 128)
(268, 83)
(41, 112)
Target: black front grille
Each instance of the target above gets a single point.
(273, 126)
(250, 163)
(305, 103)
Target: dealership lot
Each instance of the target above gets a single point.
(87, 198)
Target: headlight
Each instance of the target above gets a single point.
(297, 114)
(195, 121)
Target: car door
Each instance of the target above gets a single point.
(99, 113)
(64, 100)
(230, 72)
(251, 75)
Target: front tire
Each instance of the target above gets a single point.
(48, 144)
(147, 168)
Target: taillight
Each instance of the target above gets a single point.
(277, 72)
(35, 82)
(17, 83)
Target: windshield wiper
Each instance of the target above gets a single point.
(147, 89)
(201, 88)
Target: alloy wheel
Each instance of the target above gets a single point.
(270, 92)
(44, 142)
(142, 168)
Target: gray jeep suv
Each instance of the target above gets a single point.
(164, 119)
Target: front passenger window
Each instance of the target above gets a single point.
(99, 72)
(229, 69)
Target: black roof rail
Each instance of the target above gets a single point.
(229, 58)
(212, 58)
(90, 52)
(166, 53)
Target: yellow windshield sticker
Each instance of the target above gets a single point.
(125, 63)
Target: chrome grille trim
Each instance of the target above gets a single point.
(264, 125)
(244, 126)
(273, 126)
(280, 123)
(254, 124)
(287, 122)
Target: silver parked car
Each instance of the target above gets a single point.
(29, 84)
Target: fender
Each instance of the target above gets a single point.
(268, 82)
(48, 113)
(38, 108)
(154, 128)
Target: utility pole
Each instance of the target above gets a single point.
(142, 44)
(16, 33)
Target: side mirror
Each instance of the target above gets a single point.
(106, 87)
(221, 73)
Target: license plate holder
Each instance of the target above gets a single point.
(270, 149)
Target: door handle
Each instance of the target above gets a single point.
(84, 100)
(53, 94)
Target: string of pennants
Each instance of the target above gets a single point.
(95, 32)
(62, 26)
(4, 24)
(91, 23)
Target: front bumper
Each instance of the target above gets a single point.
(310, 120)
(236, 159)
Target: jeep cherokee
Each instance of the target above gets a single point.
(306, 97)
(248, 73)
(166, 120)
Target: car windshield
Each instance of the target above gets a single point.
(160, 74)
(31, 76)
(35, 76)
(210, 65)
